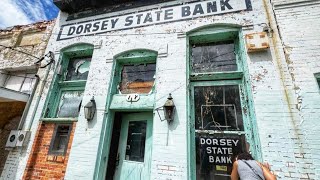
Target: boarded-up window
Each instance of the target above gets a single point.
(137, 78)
(213, 57)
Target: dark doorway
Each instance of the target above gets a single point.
(113, 152)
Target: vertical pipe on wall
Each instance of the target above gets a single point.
(39, 97)
(26, 109)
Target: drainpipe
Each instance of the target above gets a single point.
(26, 109)
(39, 97)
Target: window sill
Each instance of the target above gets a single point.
(56, 158)
(216, 76)
(59, 120)
(73, 83)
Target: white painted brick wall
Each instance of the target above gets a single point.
(299, 27)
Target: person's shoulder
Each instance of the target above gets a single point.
(236, 163)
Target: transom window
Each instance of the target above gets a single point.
(78, 69)
(136, 70)
(213, 57)
(137, 78)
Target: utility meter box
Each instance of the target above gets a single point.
(23, 138)
(12, 139)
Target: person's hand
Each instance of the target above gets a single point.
(266, 171)
(266, 165)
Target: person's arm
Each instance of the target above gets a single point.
(234, 173)
(266, 172)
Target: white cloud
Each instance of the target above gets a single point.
(11, 14)
(48, 2)
(35, 9)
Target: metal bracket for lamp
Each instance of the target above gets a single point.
(168, 109)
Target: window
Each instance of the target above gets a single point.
(20, 81)
(67, 90)
(137, 72)
(218, 108)
(60, 139)
(136, 141)
(213, 57)
(218, 99)
(137, 78)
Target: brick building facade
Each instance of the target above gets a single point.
(19, 45)
(42, 165)
(241, 74)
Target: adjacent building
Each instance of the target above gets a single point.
(20, 48)
(174, 90)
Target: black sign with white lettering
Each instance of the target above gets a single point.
(216, 153)
(219, 150)
(154, 16)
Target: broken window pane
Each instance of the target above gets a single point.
(215, 154)
(78, 69)
(218, 108)
(136, 141)
(70, 103)
(213, 57)
(137, 78)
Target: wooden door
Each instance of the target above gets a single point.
(134, 152)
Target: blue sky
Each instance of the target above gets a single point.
(19, 12)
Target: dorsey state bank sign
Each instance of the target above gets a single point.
(150, 17)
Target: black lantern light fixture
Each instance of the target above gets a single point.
(168, 109)
(90, 109)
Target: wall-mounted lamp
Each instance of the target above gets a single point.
(168, 109)
(90, 109)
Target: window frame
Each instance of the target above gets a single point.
(238, 77)
(54, 136)
(212, 35)
(215, 83)
(60, 85)
(135, 57)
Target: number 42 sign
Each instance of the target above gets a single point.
(133, 97)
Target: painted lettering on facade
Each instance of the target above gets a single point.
(219, 151)
(158, 16)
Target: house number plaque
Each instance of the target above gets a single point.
(132, 97)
